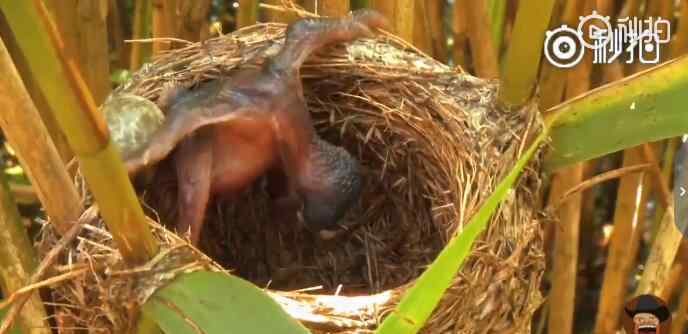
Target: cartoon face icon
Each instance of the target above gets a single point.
(646, 314)
(645, 323)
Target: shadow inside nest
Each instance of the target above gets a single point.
(378, 247)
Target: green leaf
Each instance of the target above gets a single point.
(418, 302)
(14, 329)
(642, 108)
(209, 302)
(497, 13)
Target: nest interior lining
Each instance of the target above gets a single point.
(433, 145)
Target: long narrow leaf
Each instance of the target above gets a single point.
(646, 107)
(216, 303)
(419, 301)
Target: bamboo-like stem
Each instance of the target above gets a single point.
(620, 257)
(662, 254)
(359, 4)
(567, 235)
(631, 8)
(428, 33)
(667, 175)
(678, 325)
(680, 46)
(17, 262)
(248, 13)
(497, 13)
(405, 10)
(85, 128)
(422, 37)
(674, 280)
(628, 218)
(439, 38)
(399, 13)
(660, 8)
(192, 17)
(25, 131)
(117, 24)
(551, 84)
(163, 24)
(335, 8)
(460, 35)
(83, 25)
(140, 52)
(39, 99)
(565, 258)
(269, 15)
(23, 194)
(483, 52)
(524, 53)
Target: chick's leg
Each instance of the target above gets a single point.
(194, 162)
(307, 35)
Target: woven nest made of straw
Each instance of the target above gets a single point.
(433, 145)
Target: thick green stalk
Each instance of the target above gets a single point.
(22, 125)
(497, 10)
(17, 262)
(645, 107)
(525, 49)
(248, 13)
(39, 100)
(84, 126)
(83, 25)
(141, 52)
(358, 4)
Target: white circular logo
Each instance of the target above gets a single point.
(564, 47)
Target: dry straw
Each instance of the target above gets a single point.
(433, 145)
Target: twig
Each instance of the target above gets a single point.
(159, 39)
(22, 295)
(298, 11)
(617, 173)
(47, 282)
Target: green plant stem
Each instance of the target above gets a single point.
(48, 117)
(141, 52)
(248, 13)
(358, 4)
(22, 125)
(667, 174)
(642, 108)
(84, 126)
(525, 49)
(83, 27)
(497, 10)
(17, 262)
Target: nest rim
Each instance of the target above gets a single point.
(375, 305)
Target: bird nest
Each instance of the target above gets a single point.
(433, 144)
